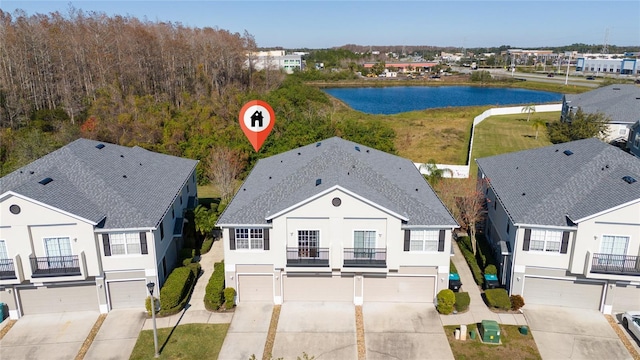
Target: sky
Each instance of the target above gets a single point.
(327, 24)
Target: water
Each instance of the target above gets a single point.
(393, 100)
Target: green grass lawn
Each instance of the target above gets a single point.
(190, 341)
(514, 345)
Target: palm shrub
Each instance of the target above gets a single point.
(446, 299)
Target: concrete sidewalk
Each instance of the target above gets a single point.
(195, 312)
(478, 311)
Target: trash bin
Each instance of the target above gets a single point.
(3, 311)
(524, 330)
(472, 334)
(490, 331)
(454, 282)
(491, 281)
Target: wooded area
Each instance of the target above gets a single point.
(162, 86)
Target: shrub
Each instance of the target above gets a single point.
(229, 297)
(206, 245)
(452, 268)
(446, 299)
(465, 248)
(213, 297)
(491, 270)
(187, 254)
(517, 302)
(147, 304)
(462, 301)
(498, 298)
(176, 287)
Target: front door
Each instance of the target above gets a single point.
(364, 244)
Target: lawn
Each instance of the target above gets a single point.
(190, 341)
(514, 345)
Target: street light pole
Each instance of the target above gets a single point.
(150, 287)
(566, 79)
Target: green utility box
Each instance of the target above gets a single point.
(524, 330)
(490, 331)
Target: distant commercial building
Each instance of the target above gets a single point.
(623, 66)
(276, 59)
(405, 66)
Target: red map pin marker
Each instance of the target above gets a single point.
(256, 120)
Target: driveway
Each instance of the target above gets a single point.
(48, 336)
(117, 335)
(324, 330)
(248, 331)
(566, 333)
(404, 331)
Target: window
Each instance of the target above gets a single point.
(249, 239)
(508, 227)
(125, 243)
(57, 246)
(162, 230)
(308, 241)
(3, 250)
(636, 140)
(545, 240)
(424, 240)
(364, 243)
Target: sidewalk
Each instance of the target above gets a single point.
(478, 311)
(195, 312)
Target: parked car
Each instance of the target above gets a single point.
(631, 322)
(591, 78)
(550, 75)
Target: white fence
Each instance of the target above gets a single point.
(462, 171)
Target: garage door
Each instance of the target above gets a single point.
(45, 300)
(626, 298)
(405, 289)
(127, 294)
(583, 295)
(255, 287)
(315, 288)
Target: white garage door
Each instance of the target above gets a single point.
(255, 287)
(127, 294)
(44, 300)
(315, 288)
(405, 289)
(626, 298)
(583, 295)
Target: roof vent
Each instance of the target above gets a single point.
(523, 194)
(122, 156)
(45, 181)
(367, 151)
(124, 176)
(568, 152)
(357, 148)
(616, 88)
(298, 153)
(30, 172)
(318, 144)
(629, 179)
(557, 150)
(100, 146)
(318, 182)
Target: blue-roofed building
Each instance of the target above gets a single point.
(564, 221)
(336, 221)
(88, 225)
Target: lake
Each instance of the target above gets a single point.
(393, 100)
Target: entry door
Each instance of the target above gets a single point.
(308, 243)
(58, 252)
(364, 244)
(616, 246)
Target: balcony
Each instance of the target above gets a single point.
(55, 266)
(7, 269)
(376, 258)
(308, 257)
(615, 264)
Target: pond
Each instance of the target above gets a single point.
(394, 100)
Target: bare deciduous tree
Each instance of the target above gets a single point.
(225, 165)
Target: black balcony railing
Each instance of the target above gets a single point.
(615, 264)
(365, 257)
(7, 270)
(55, 266)
(307, 256)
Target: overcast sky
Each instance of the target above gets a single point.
(325, 24)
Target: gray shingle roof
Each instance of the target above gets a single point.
(90, 183)
(281, 181)
(546, 187)
(620, 102)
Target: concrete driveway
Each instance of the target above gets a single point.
(324, 330)
(566, 333)
(117, 335)
(248, 331)
(404, 331)
(48, 336)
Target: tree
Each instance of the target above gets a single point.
(204, 219)
(579, 126)
(537, 125)
(225, 164)
(434, 174)
(529, 109)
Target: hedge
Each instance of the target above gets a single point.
(452, 268)
(467, 252)
(176, 290)
(498, 298)
(446, 298)
(206, 245)
(214, 296)
(462, 301)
